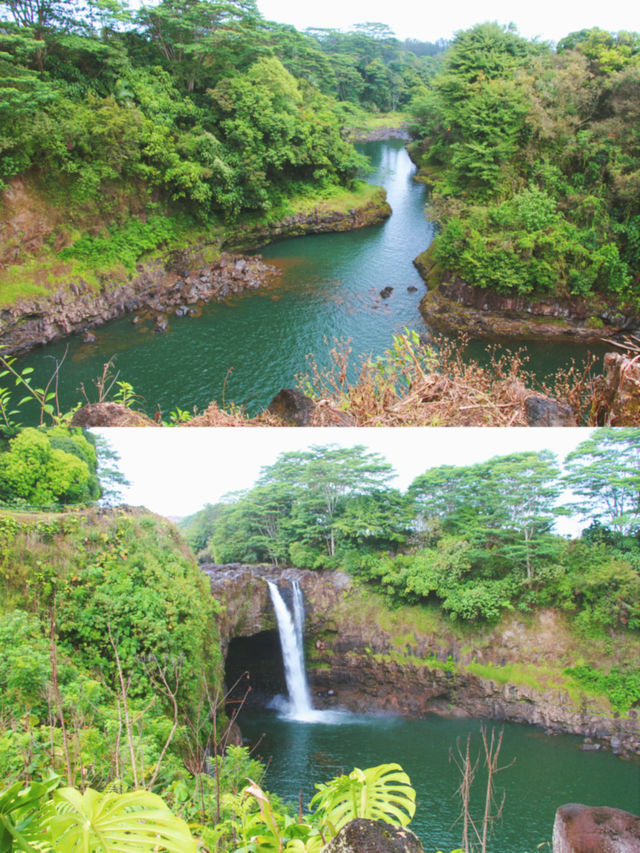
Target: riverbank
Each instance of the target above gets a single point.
(377, 127)
(412, 661)
(453, 307)
(176, 278)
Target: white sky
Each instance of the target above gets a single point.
(431, 21)
(176, 471)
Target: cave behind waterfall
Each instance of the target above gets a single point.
(259, 655)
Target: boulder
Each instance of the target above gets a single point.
(293, 407)
(541, 411)
(373, 836)
(109, 415)
(595, 829)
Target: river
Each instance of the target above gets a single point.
(246, 349)
(548, 771)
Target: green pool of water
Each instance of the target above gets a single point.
(548, 770)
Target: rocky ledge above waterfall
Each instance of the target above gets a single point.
(245, 594)
(412, 661)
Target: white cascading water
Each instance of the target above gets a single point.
(290, 629)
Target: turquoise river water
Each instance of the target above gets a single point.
(246, 349)
(548, 771)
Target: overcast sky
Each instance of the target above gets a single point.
(175, 472)
(431, 21)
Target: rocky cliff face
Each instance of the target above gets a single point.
(365, 657)
(620, 391)
(157, 288)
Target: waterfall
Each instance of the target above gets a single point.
(291, 630)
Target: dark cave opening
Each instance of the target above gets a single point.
(261, 657)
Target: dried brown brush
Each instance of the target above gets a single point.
(214, 416)
(582, 388)
(414, 385)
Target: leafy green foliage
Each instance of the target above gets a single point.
(258, 823)
(307, 507)
(124, 245)
(377, 793)
(133, 821)
(39, 818)
(370, 67)
(48, 467)
(133, 122)
(532, 162)
(136, 581)
(604, 474)
(125, 574)
(23, 811)
(476, 541)
(621, 688)
(509, 500)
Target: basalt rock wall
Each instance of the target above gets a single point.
(157, 287)
(364, 657)
(452, 306)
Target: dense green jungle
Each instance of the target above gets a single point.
(140, 130)
(533, 157)
(126, 132)
(111, 670)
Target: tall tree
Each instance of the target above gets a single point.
(112, 480)
(197, 38)
(505, 506)
(526, 487)
(604, 474)
(322, 478)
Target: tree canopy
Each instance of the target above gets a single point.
(533, 157)
(604, 474)
(57, 466)
(196, 108)
(476, 539)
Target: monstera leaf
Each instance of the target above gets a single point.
(116, 823)
(379, 793)
(24, 810)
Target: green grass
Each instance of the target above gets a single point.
(339, 199)
(622, 689)
(431, 663)
(365, 121)
(538, 678)
(330, 198)
(41, 276)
